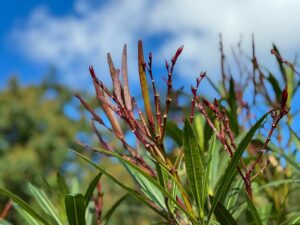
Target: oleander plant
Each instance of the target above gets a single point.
(191, 159)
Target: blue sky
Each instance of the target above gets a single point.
(73, 34)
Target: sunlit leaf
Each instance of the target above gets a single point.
(24, 206)
(26, 216)
(131, 191)
(230, 172)
(211, 149)
(194, 165)
(44, 203)
(234, 193)
(150, 190)
(142, 172)
(255, 216)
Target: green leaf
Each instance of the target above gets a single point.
(265, 213)
(4, 222)
(24, 206)
(233, 107)
(230, 172)
(239, 210)
(290, 82)
(109, 213)
(253, 211)
(234, 193)
(75, 208)
(199, 124)
(27, 217)
(44, 203)
(212, 144)
(208, 132)
(173, 131)
(90, 214)
(275, 86)
(150, 190)
(142, 172)
(62, 184)
(295, 220)
(194, 166)
(223, 215)
(281, 66)
(132, 192)
(89, 192)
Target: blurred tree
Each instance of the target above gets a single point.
(37, 126)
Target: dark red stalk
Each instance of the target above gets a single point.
(169, 90)
(6, 209)
(156, 99)
(98, 202)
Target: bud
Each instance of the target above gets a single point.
(178, 52)
(284, 97)
(92, 72)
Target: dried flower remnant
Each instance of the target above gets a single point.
(225, 135)
(150, 130)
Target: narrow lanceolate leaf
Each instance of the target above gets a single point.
(62, 184)
(233, 194)
(24, 206)
(150, 179)
(150, 190)
(230, 172)
(211, 148)
(89, 192)
(280, 63)
(126, 91)
(144, 85)
(193, 164)
(44, 202)
(290, 85)
(109, 213)
(131, 191)
(275, 86)
(75, 208)
(223, 215)
(233, 107)
(25, 216)
(254, 213)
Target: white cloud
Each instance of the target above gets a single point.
(74, 41)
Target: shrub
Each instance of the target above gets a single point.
(213, 165)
